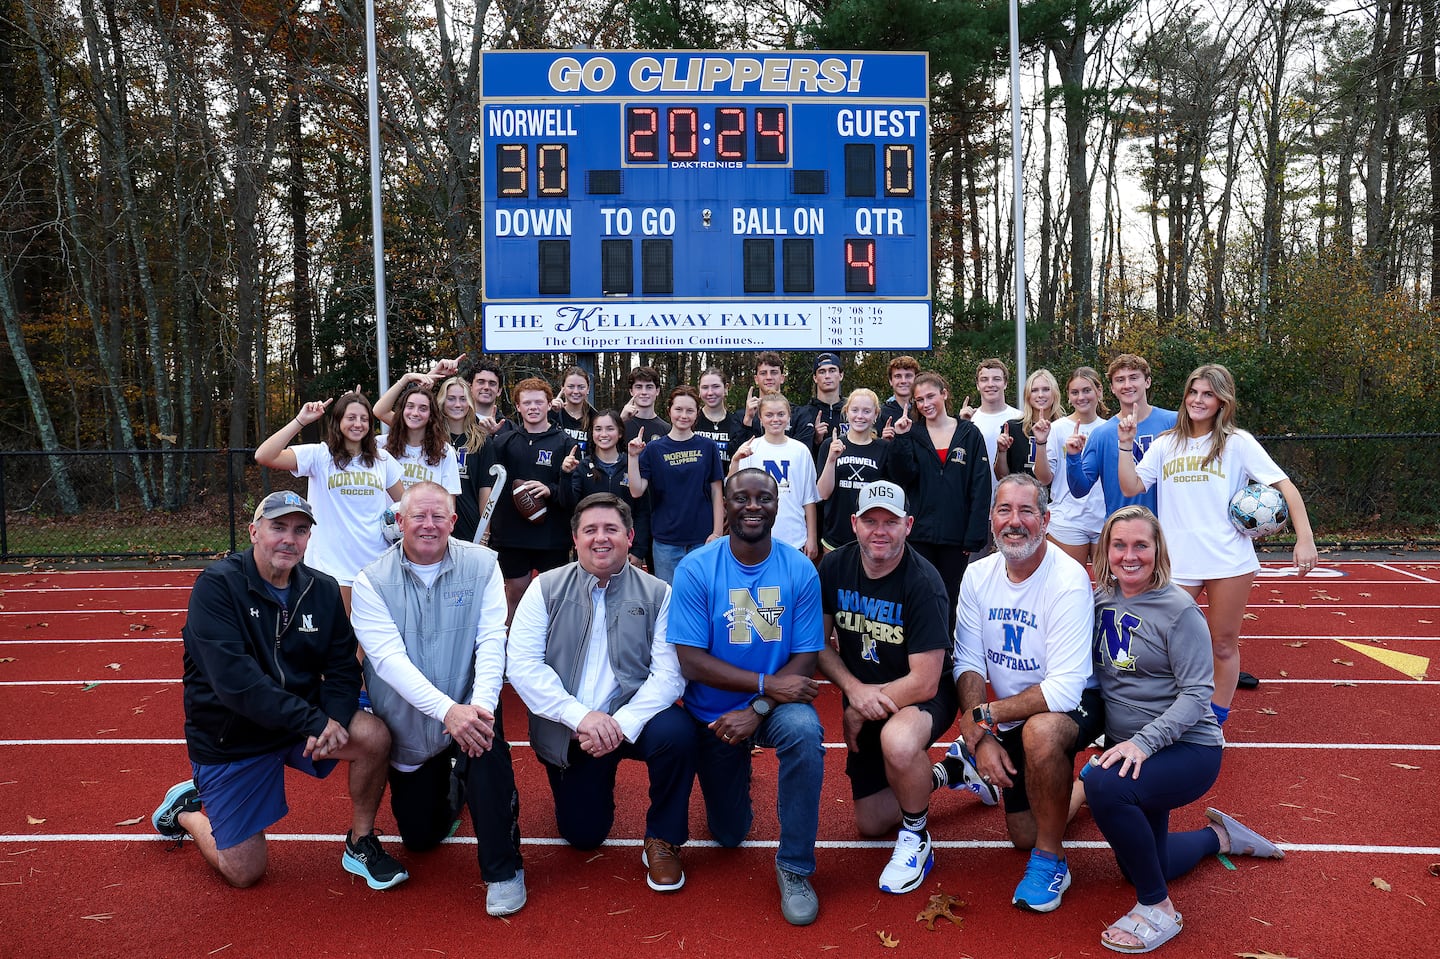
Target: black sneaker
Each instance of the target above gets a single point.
(366, 858)
(181, 797)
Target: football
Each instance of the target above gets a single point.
(1258, 510)
(531, 507)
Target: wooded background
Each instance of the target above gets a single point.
(184, 199)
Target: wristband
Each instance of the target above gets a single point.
(1041, 442)
(761, 687)
(1127, 449)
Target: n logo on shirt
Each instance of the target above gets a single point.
(780, 469)
(746, 614)
(1013, 634)
(1114, 634)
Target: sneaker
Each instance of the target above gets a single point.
(1046, 879)
(506, 898)
(662, 862)
(957, 770)
(1247, 681)
(181, 797)
(366, 858)
(909, 864)
(798, 902)
(1244, 841)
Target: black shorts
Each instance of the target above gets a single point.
(866, 768)
(516, 562)
(1089, 718)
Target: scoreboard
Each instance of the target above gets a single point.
(702, 200)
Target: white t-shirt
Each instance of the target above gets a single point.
(349, 507)
(1070, 518)
(794, 470)
(414, 469)
(990, 425)
(1019, 635)
(1195, 502)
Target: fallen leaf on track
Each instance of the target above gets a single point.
(7, 659)
(1343, 662)
(1297, 644)
(100, 916)
(88, 686)
(885, 939)
(112, 665)
(1435, 869)
(1263, 955)
(131, 822)
(939, 908)
(1250, 616)
(1283, 674)
(1342, 682)
(1267, 711)
(1380, 884)
(33, 820)
(1404, 766)
(138, 627)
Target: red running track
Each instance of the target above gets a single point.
(1337, 761)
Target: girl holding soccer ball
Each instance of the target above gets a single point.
(1199, 465)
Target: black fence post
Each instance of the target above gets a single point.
(230, 493)
(4, 508)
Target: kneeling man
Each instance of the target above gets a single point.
(589, 657)
(271, 681)
(889, 655)
(431, 617)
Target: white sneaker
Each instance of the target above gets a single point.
(506, 898)
(909, 863)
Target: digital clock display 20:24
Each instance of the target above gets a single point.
(656, 199)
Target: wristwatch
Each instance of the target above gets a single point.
(762, 707)
(981, 717)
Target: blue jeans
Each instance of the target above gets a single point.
(664, 557)
(793, 730)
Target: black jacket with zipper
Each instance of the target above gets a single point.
(251, 687)
(950, 500)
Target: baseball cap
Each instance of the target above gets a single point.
(826, 359)
(282, 503)
(881, 495)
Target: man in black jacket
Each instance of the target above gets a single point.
(271, 680)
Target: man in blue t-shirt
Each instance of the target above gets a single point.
(1097, 457)
(745, 619)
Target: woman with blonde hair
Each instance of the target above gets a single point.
(854, 458)
(1022, 442)
(1199, 465)
(467, 436)
(1075, 521)
(1153, 665)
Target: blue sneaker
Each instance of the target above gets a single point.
(1046, 879)
(181, 797)
(909, 864)
(957, 771)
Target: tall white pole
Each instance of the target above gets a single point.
(377, 224)
(1019, 168)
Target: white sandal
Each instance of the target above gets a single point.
(1153, 928)
(1243, 840)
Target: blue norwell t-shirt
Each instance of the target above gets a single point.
(753, 617)
(680, 474)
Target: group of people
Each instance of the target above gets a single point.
(668, 591)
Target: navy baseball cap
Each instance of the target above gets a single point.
(826, 359)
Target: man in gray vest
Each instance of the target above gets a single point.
(589, 657)
(430, 616)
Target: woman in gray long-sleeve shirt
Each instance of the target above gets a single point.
(1152, 659)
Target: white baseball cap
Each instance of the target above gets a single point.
(881, 495)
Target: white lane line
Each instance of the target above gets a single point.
(87, 682)
(1085, 844)
(1406, 572)
(87, 612)
(18, 590)
(525, 744)
(1388, 638)
(88, 642)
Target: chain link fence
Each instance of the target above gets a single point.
(1361, 490)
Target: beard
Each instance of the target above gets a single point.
(1022, 551)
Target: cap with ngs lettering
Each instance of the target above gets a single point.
(881, 495)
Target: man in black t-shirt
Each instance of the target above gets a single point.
(890, 657)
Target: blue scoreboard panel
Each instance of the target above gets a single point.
(700, 200)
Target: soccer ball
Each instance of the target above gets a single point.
(1258, 510)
